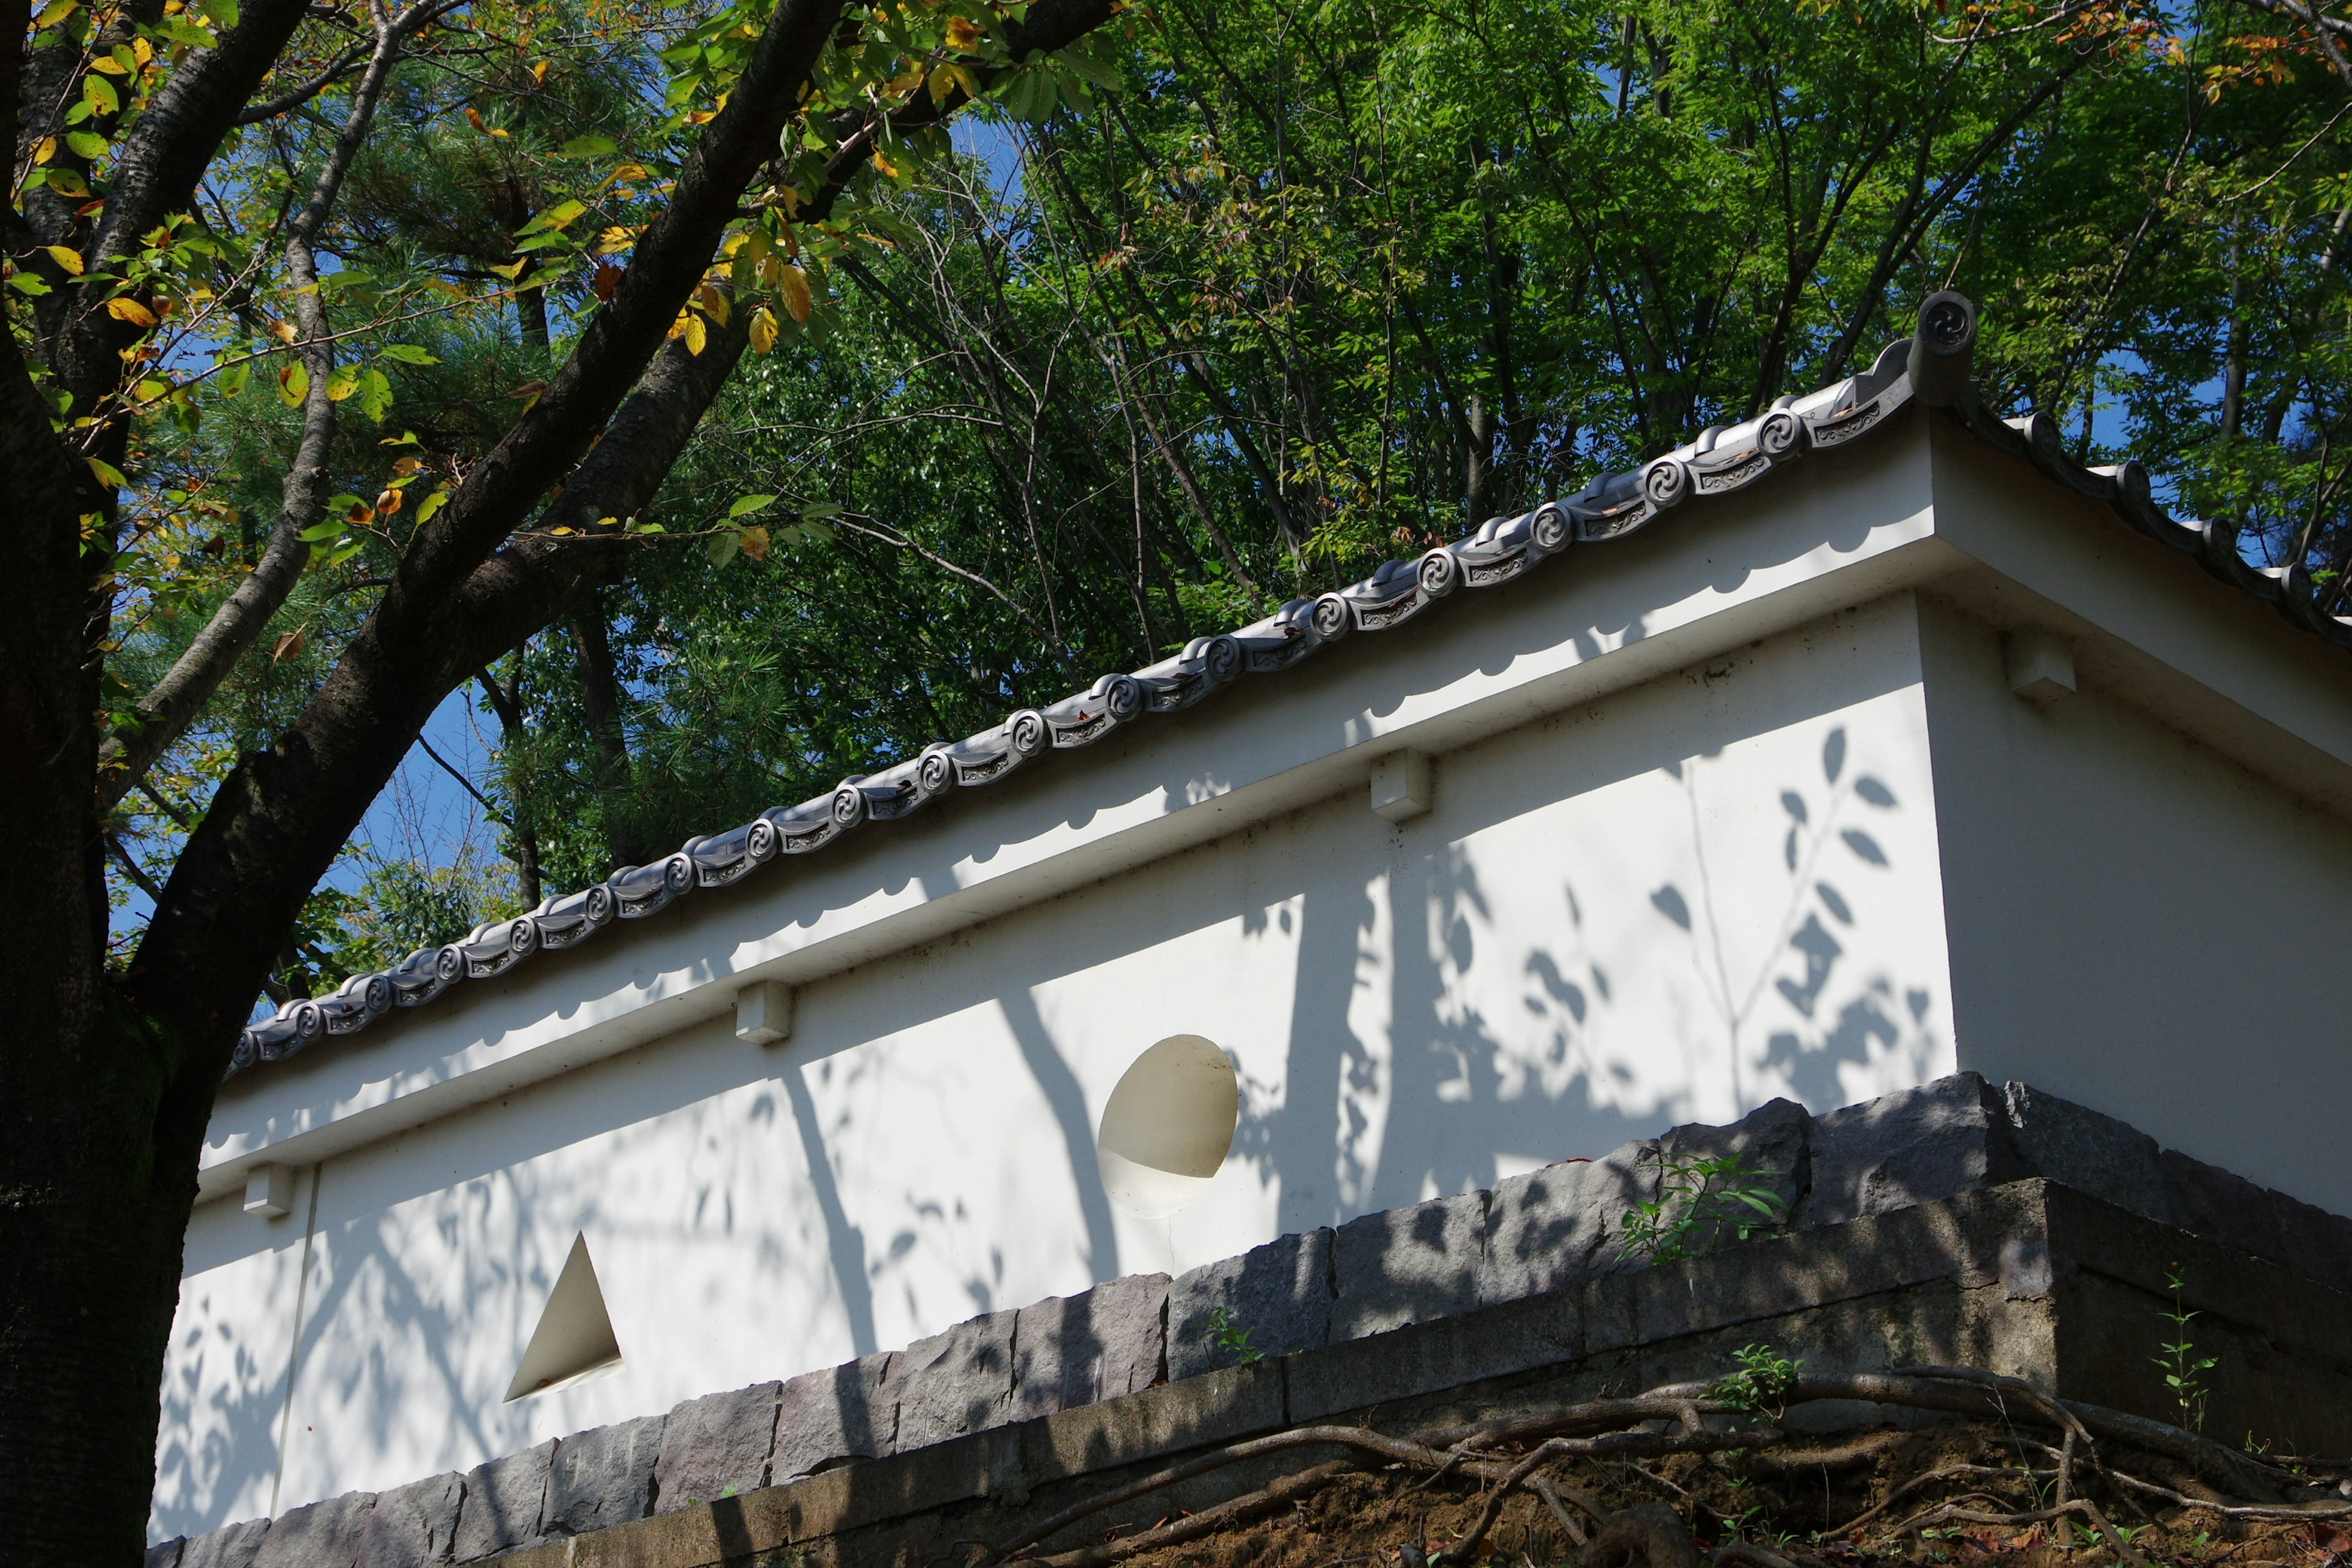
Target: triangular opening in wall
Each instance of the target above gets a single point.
(575, 1337)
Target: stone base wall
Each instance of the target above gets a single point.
(1959, 1223)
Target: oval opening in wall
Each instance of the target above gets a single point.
(1168, 1127)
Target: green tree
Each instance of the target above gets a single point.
(346, 343)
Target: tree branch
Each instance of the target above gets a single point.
(342, 66)
(164, 714)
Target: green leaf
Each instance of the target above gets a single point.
(405, 354)
(818, 510)
(375, 394)
(222, 11)
(26, 284)
(588, 147)
(1030, 97)
(88, 143)
(747, 505)
(433, 503)
(556, 216)
(319, 532)
(723, 546)
(99, 92)
(233, 379)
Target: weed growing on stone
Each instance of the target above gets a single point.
(2184, 1369)
(1698, 1200)
(1232, 1338)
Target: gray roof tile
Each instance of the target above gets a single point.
(1931, 368)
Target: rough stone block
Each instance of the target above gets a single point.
(230, 1546)
(2318, 1243)
(1215, 1407)
(323, 1534)
(603, 1476)
(1773, 1141)
(1909, 1147)
(846, 1412)
(1407, 1266)
(2230, 1209)
(414, 1526)
(1279, 1294)
(2091, 1152)
(956, 1382)
(1553, 1226)
(505, 1504)
(1072, 1350)
(1441, 1353)
(716, 1446)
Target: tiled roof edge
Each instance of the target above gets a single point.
(1721, 460)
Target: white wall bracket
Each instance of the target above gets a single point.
(2041, 666)
(763, 1013)
(1401, 786)
(269, 1191)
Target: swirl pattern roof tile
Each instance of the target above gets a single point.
(1932, 367)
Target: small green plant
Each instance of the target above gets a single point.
(2184, 1370)
(1762, 1384)
(1698, 1200)
(1229, 1337)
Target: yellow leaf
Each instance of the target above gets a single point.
(131, 311)
(288, 646)
(110, 65)
(962, 35)
(56, 11)
(696, 334)
(294, 385)
(46, 151)
(701, 117)
(714, 304)
(538, 73)
(388, 502)
(888, 167)
(282, 330)
(755, 543)
(66, 257)
(143, 51)
(108, 474)
(792, 284)
(792, 243)
(407, 465)
(677, 328)
(763, 329)
(615, 240)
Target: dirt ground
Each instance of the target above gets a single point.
(1808, 1507)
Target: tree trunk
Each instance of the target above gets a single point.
(97, 1169)
(600, 696)
(507, 703)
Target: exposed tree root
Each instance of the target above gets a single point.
(1505, 1456)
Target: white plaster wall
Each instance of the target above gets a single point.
(2142, 925)
(1672, 904)
(224, 1375)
